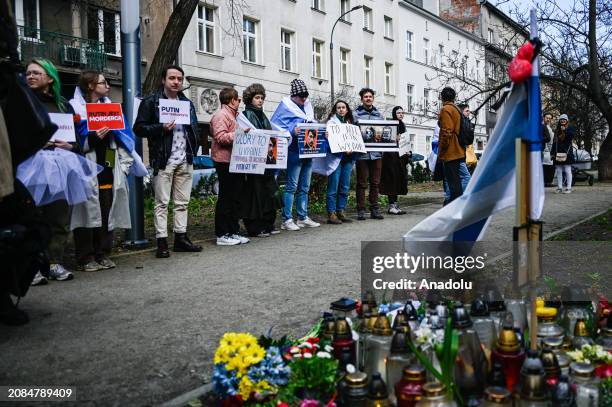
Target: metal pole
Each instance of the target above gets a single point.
(331, 67)
(130, 46)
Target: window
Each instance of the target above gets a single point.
(425, 100)
(286, 50)
(490, 31)
(455, 60)
(206, 29)
(345, 6)
(492, 70)
(388, 78)
(368, 21)
(249, 40)
(427, 145)
(477, 75)
(441, 54)
(317, 5)
(411, 138)
(104, 25)
(426, 50)
(367, 72)
(27, 14)
(345, 62)
(388, 27)
(409, 45)
(409, 97)
(317, 58)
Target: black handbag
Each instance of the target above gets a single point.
(438, 174)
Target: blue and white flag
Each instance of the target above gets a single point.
(492, 187)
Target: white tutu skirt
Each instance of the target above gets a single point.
(51, 175)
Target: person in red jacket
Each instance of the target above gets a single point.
(223, 126)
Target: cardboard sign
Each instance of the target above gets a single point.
(249, 152)
(345, 138)
(404, 144)
(177, 111)
(311, 140)
(101, 115)
(379, 135)
(278, 149)
(65, 127)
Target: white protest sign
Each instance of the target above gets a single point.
(345, 138)
(65, 127)
(404, 144)
(177, 111)
(249, 152)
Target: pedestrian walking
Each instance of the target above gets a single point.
(171, 150)
(339, 181)
(394, 174)
(450, 150)
(261, 198)
(231, 185)
(562, 154)
(291, 111)
(93, 222)
(369, 165)
(471, 161)
(547, 162)
(50, 168)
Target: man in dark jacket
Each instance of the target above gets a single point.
(171, 150)
(369, 165)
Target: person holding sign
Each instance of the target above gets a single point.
(231, 185)
(394, 175)
(261, 199)
(290, 112)
(339, 181)
(369, 165)
(171, 150)
(94, 221)
(57, 176)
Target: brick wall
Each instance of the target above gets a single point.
(462, 13)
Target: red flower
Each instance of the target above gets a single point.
(76, 118)
(282, 404)
(603, 371)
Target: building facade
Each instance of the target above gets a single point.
(502, 37)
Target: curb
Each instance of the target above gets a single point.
(185, 398)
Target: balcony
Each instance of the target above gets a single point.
(61, 49)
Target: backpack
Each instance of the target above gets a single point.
(466, 130)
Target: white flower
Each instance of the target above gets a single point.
(306, 345)
(307, 355)
(329, 348)
(324, 355)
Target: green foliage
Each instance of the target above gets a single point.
(266, 342)
(419, 174)
(316, 375)
(605, 390)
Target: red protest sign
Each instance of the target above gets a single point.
(100, 115)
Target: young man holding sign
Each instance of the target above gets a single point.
(172, 146)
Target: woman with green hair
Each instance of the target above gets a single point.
(56, 176)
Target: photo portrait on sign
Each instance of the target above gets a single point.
(379, 135)
(272, 151)
(312, 140)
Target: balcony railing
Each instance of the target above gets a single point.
(61, 49)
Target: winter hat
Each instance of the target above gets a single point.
(298, 87)
(563, 117)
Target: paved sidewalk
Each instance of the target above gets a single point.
(145, 332)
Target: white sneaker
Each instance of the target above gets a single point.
(393, 210)
(567, 191)
(307, 223)
(39, 279)
(558, 191)
(289, 224)
(227, 240)
(241, 239)
(59, 273)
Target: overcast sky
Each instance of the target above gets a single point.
(524, 4)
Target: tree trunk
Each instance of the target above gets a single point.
(169, 44)
(604, 161)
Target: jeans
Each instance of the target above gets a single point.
(464, 175)
(175, 180)
(451, 175)
(227, 215)
(338, 185)
(368, 171)
(298, 185)
(559, 171)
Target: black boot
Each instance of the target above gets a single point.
(375, 214)
(9, 313)
(162, 248)
(183, 244)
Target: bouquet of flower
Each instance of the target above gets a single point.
(244, 370)
(594, 354)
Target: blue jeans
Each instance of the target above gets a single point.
(464, 175)
(338, 185)
(298, 184)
